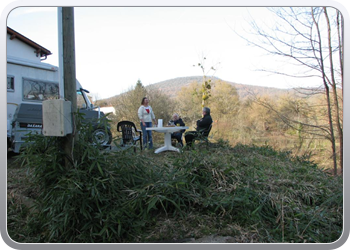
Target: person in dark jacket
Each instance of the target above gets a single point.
(202, 125)
(177, 121)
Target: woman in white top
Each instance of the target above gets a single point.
(146, 116)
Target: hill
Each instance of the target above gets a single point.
(172, 86)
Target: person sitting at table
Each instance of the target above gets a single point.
(202, 125)
(177, 121)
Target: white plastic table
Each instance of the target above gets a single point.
(167, 137)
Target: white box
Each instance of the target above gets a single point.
(57, 117)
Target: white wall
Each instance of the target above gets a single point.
(19, 49)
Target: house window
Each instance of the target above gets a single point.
(10, 83)
(36, 90)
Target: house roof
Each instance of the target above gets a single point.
(40, 50)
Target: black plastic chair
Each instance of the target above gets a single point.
(203, 135)
(129, 130)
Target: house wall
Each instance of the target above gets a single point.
(17, 48)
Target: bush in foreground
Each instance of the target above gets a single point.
(119, 196)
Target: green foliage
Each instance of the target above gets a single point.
(85, 202)
(117, 196)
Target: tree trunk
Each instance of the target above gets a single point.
(324, 78)
(340, 29)
(335, 94)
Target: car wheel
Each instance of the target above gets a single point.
(102, 136)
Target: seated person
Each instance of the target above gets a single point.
(177, 121)
(202, 125)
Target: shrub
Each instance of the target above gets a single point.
(117, 196)
(85, 201)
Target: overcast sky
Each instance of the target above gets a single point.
(116, 46)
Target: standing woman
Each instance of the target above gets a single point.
(146, 116)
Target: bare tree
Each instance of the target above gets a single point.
(310, 40)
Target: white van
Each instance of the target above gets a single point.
(29, 82)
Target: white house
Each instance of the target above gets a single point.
(22, 47)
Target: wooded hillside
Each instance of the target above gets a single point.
(171, 87)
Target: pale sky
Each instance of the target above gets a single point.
(116, 46)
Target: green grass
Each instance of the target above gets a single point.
(251, 193)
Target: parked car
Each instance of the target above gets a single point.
(28, 118)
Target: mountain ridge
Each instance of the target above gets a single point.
(172, 86)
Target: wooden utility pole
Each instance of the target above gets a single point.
(69, 76)
(69, 56)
